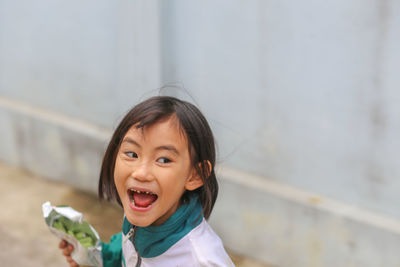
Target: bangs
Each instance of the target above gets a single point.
(143, 117)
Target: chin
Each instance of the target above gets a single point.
(137, 222)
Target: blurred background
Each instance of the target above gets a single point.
(302, 97)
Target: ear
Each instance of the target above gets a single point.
(195, 181)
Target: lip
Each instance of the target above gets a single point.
(140, 209)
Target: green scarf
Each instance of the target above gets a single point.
(152, 241)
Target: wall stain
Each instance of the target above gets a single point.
(377, 113)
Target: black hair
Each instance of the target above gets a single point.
(199, 137)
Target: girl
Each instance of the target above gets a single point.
(159, 165)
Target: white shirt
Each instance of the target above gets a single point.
(200, 247)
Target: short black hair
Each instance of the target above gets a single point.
(200, 139)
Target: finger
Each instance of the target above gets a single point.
(71, 262)
(62, 244)
(66, 252)
(70, 247)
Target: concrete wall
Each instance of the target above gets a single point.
(302, 93)
(90, 60)
(302, 97)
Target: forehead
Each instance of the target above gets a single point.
(167, 130)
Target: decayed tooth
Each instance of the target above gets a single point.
(141, 192)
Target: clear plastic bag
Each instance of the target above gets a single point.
(68, 224)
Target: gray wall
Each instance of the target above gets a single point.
(302, 97)
(304, 93)
(85, 59)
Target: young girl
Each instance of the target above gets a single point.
(159, 165)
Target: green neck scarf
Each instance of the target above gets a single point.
(152, 241)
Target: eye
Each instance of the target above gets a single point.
(164, 160)
(131, 154)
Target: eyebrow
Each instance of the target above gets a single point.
(163, 147)
(168, 148)
(131, 141)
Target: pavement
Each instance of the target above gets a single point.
(25, 239)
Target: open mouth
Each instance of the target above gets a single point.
(141, 199)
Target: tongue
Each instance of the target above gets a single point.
(144, 200)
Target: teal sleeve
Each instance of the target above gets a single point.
(112, 252)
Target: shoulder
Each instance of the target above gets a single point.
(207, 247)
(202, 246)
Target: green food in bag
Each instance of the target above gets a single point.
(68, 224)
(81, 231)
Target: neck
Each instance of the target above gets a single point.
(152, 241)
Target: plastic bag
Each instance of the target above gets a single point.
(68, 224)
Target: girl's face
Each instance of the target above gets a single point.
(152, 171)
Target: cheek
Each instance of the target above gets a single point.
(175, 182)
(118, 178)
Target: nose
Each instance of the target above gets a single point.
(142, 172)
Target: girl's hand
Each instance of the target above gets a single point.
(66, 251)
